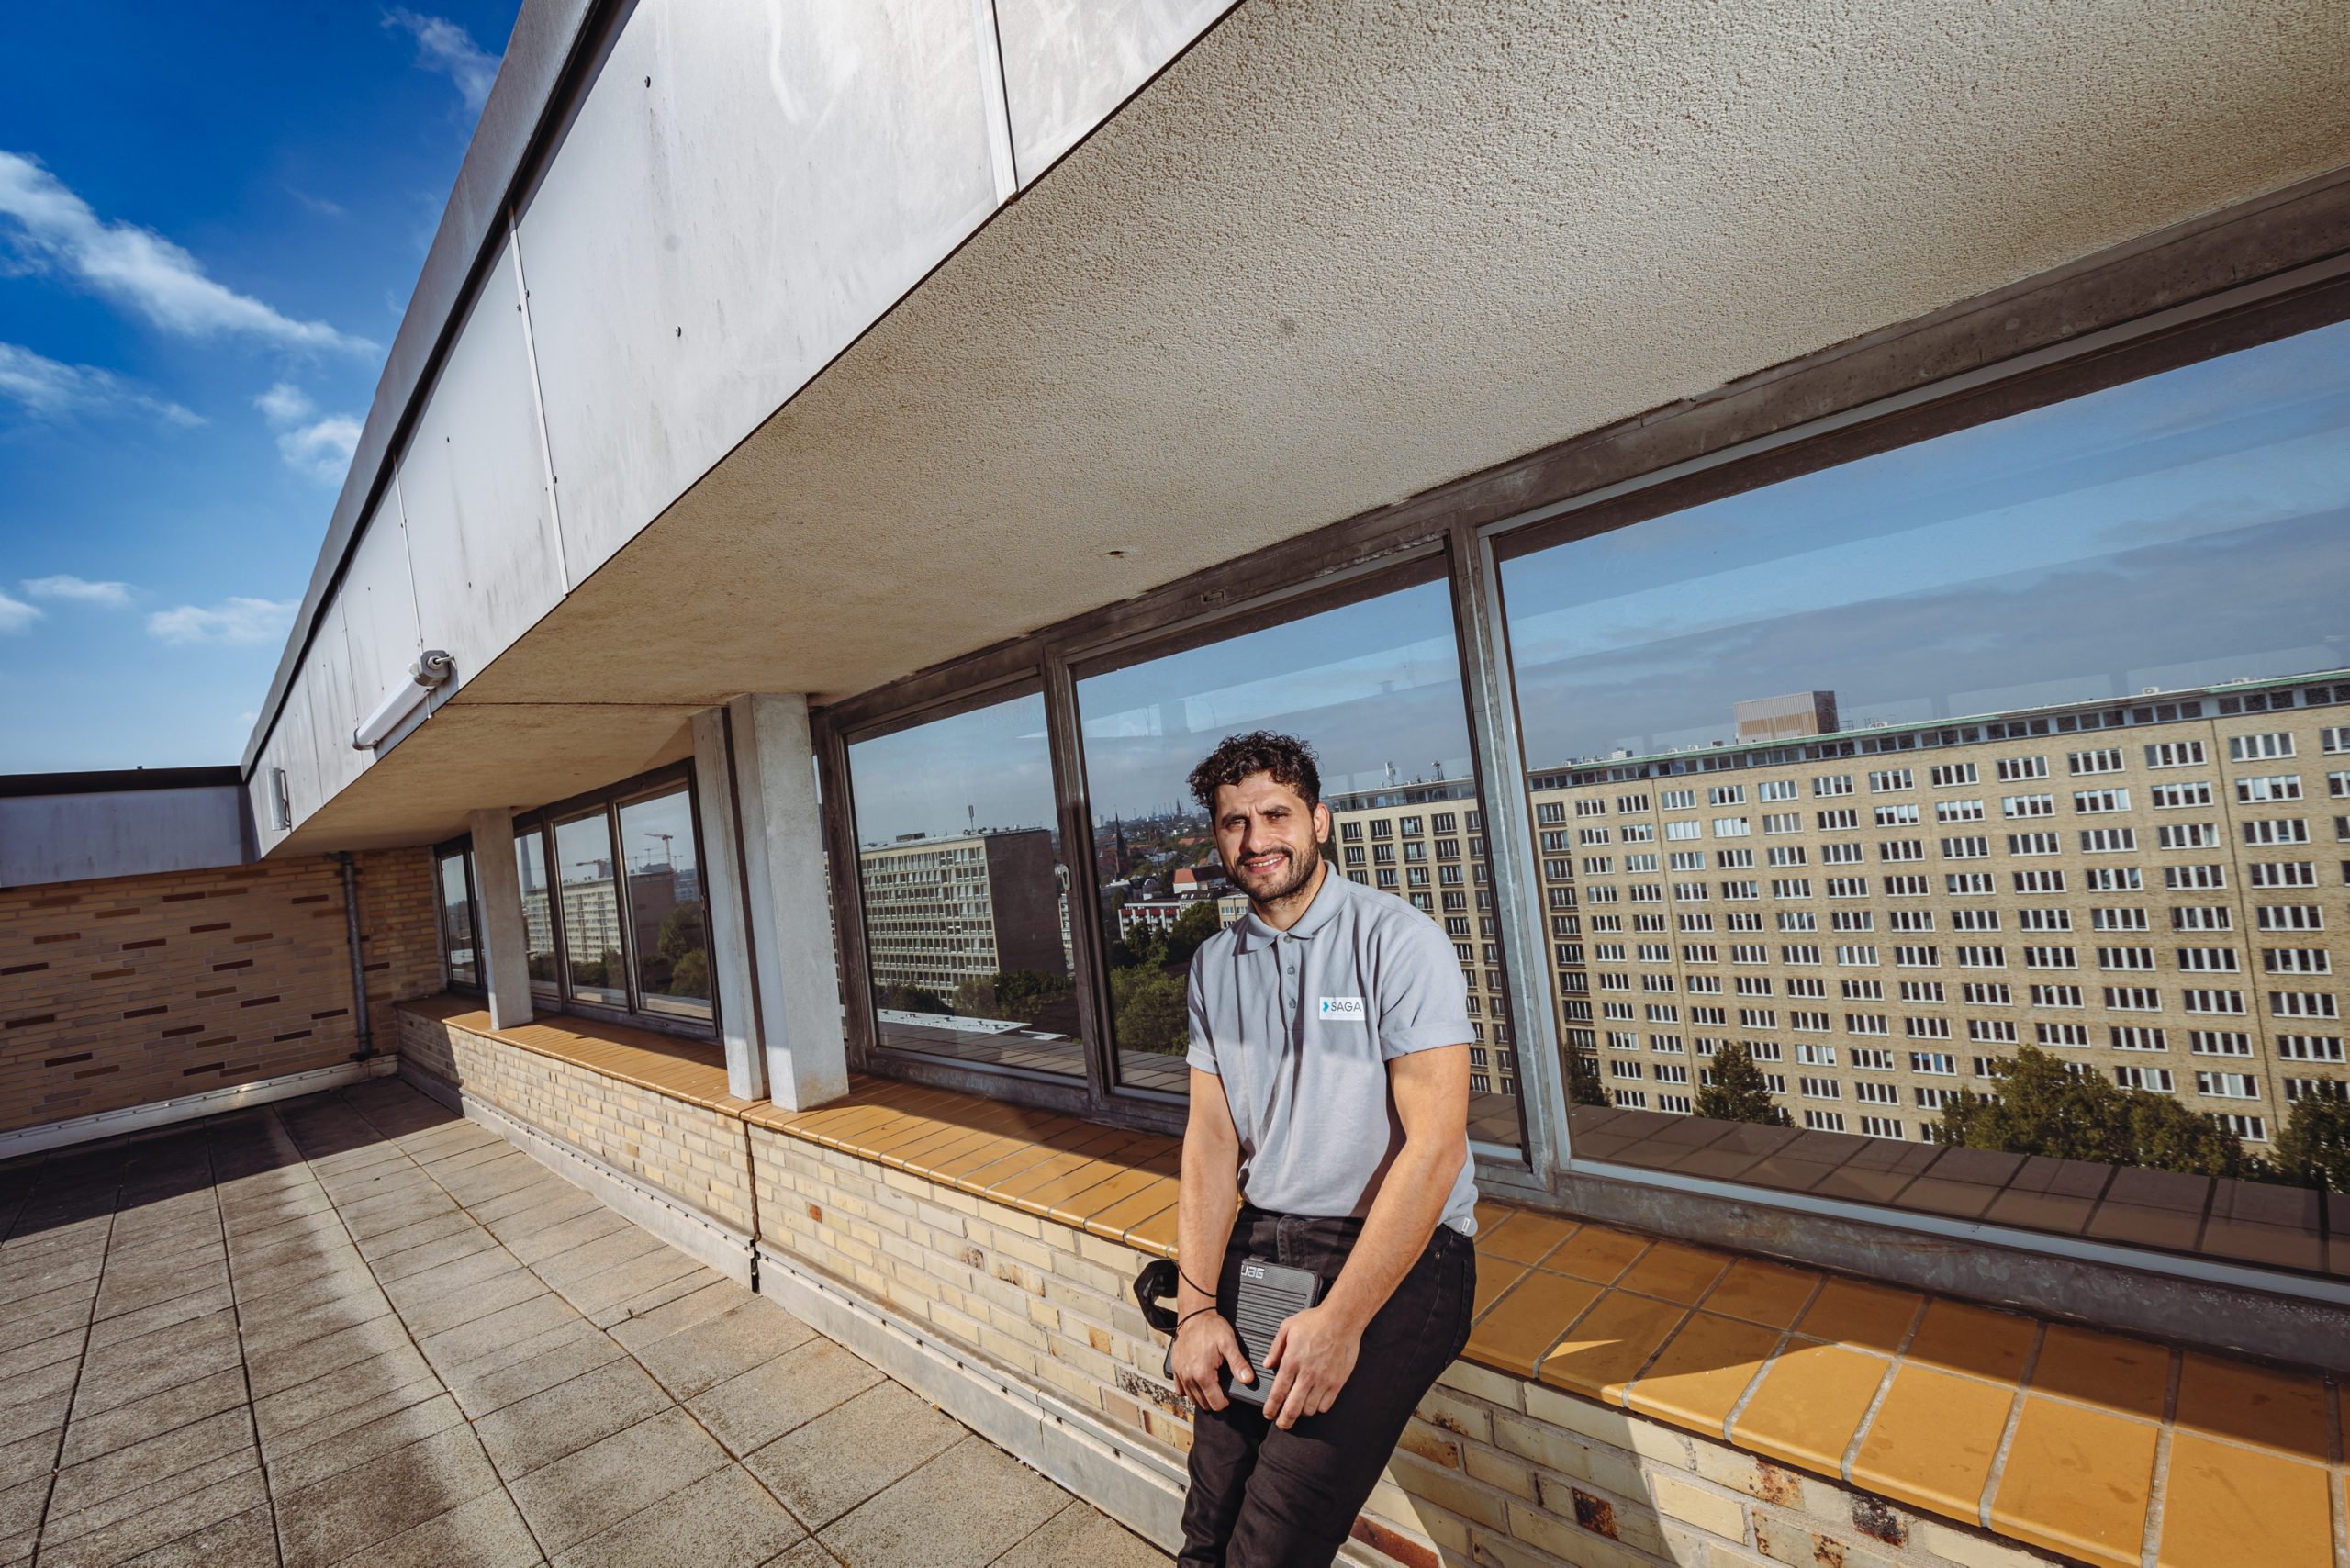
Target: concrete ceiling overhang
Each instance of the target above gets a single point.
(1338, 255)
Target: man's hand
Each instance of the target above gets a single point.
(1204, 1346)
(1313, 1355)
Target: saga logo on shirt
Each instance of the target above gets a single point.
(1342, 1007)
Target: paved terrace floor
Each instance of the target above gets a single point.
(358, 1330)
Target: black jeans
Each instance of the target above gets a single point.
(1262, 1497)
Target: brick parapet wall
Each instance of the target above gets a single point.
(1493, 1471)
(133, 989)
(688, 1152)
(399, 934)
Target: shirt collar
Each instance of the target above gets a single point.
(1251, 932)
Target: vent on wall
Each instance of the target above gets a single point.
(281, 801)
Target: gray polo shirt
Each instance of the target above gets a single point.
(1301, 1025)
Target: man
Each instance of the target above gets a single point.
(1329, 1073)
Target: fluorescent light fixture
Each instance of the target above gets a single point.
(434, 668)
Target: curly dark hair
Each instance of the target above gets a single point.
(1288, 759)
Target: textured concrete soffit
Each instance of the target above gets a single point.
(1329, 261)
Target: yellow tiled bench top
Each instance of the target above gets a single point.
(2052, 1434)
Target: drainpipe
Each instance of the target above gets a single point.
(358, 965)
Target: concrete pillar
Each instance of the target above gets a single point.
(730, 941)
(791, 906)
(505, 951)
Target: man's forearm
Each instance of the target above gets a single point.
(1412, 1197)
(1208, 1201)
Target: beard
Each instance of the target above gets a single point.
(1280, 884)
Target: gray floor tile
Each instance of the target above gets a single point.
(531, 1433)
(725, 1520)
(584, 1492)
(195, 1304)
(346, 1387)
(498, 1337)
(430, 1245)
(326, 1522)
(278, 1445)
(90, 1436)
(577, 1224)
(36, 1402)
(133, 1369)
(428, 1311)
(244, 1540)
(296, 1465)
(162, 1523)
(489, 1388)
(487, 1532)
(64, 1345)
(604, 1292)
(685, 1313)
(20, 1510)
(702, 1357)
(605, 1252)
(830, 1466)
(1079, 1534)
(280, 1333)
(146, 1513)
(696, 1278)
(522, 1199)
(963, 1509)
(51, 1311)
(27, 1458)
(279, 1371)
(109, 1473)
(748, 1412)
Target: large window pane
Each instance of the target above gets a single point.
(538, 910)
(667, 915)
(1989, 791)
(965, 923)
(592, 909)
(1375, 687)
(457, 943)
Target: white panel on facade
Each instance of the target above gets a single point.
(293, 745)
(473, 488)
(329, 691)
(746, 188)
(1067, 64)
(378, 610)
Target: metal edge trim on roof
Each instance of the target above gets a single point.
(549, 38)
(107, 781)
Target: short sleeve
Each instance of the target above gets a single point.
(1423, 1001)
(1203, 1052)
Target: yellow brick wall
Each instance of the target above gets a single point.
(1493, 1471)
(132, 989)
(694, 1155)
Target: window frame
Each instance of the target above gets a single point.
(2266, 270)
(460, 847)
(540, 823)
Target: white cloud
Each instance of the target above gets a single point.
(16, 615)
(319, 447)
(239, 623)
(136, 268)
(48, 389)
(114, 596)
(442, 45)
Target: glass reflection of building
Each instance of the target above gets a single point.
(941, 911)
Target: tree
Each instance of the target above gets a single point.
(909, 999)
(1148, 1005)
(2314, 1145)
(1738, 1093)
(2043, 1107)
(1191, 930)
(1583, 1087)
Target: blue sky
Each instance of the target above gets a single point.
(210, 220)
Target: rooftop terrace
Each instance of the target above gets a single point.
(356, 1328)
